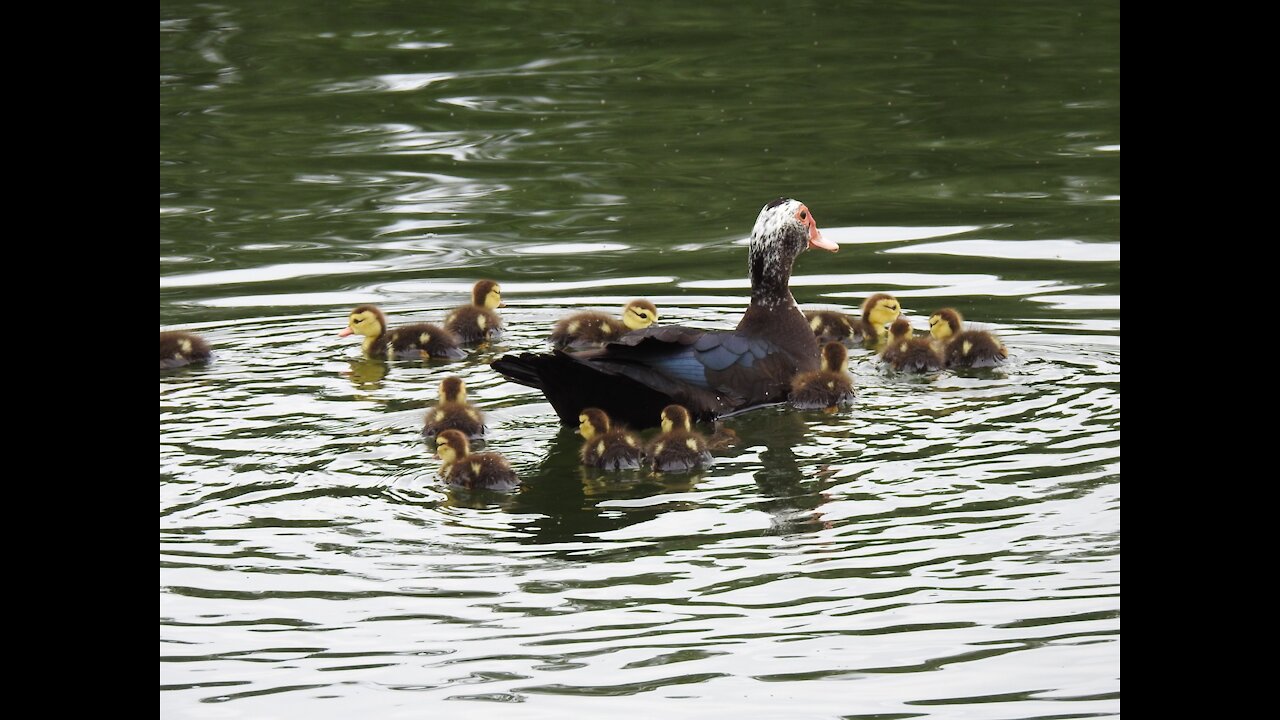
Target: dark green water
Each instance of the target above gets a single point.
(947, 548)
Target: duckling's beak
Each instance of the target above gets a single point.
(345, 332)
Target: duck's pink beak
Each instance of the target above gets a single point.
(815, 235)
(345, 332)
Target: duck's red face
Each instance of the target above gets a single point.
(804, 217)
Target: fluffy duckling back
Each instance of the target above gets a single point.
(478, 322)
(453, 412)
(482, 471)
(679, 447)
(965, 348)
(407, 342)
(910, 354)
(828, 387)
(592, 329)
(605, 446)
(179, 348)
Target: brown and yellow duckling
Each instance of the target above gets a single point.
(478, 322)
(453, 412)
(825, 388)
(910, 354)
(179, 348)
(878, 311)
(591, 329)
(606, 446)
(679, 447)
(965, 348)
(407, 342)
(481, 471)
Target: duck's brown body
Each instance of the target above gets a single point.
(179, 348)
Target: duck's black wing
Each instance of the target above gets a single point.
(632, 379)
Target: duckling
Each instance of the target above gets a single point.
(453, 412)
(605, 446)
(679, 447)
(910, 354)
(968, 348)
(419, 340)
(589, 329)
(487, 471)
(828, 387)
(179, 348)
(477, 322)
(878, 311)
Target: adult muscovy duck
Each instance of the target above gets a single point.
(712, 373)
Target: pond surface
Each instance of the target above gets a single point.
(948, 547)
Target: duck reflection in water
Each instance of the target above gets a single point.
(366, 374)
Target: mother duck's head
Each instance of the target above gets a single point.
(784, 229)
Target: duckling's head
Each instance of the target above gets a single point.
(451, 446)
(365, 320)
(835, 358)
(639, 314)
(453, 390)
(881, 309)
(487, 294)
(675, 417)
(944, 323)
(900, 329)
(594, 422)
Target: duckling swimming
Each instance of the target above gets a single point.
(179, 348)
(477, 322)
(453, 412)
(591, 329)
(407, 342)
(878, 311)
(968, 348)
(828, 387)
(486, 471)
(910, 354)
(605, 446)
(679, 447)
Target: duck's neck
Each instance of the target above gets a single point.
(770, 273)
(773, 310)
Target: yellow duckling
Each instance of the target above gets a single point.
(967, 348)
(453, 412)
(825, 388)
(477, 322)
(910, 354)
(679, 447)
(605, 446)
(179, 348)
(878, 311)
(419, 340)
(590, 329)
(482, 471)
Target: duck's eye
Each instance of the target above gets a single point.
(804, 215)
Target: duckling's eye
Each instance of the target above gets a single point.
(357, 320)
